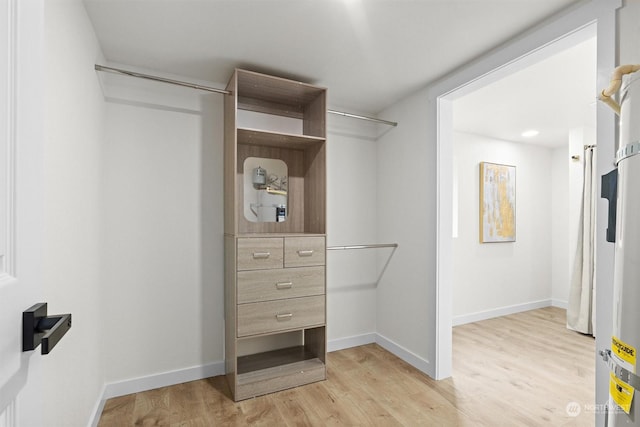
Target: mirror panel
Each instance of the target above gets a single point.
(265, 190)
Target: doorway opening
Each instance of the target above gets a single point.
(514, 124)
(496, 65)
(541, 45)
(508, 296)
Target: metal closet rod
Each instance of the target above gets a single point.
(113, 70)
(356, 116)
(159, 79)
(380, 245)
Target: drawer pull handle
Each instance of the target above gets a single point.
(284, 316)
(261, 255)
(305, 253)
(284, 285)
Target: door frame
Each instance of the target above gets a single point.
(524, 50)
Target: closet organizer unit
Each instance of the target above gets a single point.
(275, 271)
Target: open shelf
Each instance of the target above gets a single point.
(280, 97)
(278, 359)
(260, 92)
(276, 139)
(277, 370)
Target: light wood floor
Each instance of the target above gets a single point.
(518, 370)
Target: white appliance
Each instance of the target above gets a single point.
(621, 357)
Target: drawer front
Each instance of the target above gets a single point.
(303, 251)
(280, 315)
(267, 285)
(260, 253)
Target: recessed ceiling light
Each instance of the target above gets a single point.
(530, 133)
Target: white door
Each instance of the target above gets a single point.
(21, 132)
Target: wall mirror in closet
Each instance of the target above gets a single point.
(265, 189)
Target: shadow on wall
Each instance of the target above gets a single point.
(212, 229)
(339, 256)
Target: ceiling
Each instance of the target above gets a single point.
(552, 96)
(369, 53)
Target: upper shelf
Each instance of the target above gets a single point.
(276, 139)
(281, 97)
(275, 90)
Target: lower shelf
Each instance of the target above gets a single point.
(277, 370)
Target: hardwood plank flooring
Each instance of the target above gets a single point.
(518, 370)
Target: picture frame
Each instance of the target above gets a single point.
(497, 203)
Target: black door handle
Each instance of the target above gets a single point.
(39, 328)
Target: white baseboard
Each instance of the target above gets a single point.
(408, 356)
(501, 311)
(384, 342)
(164, 379)
(97, 409)
(559, 303)
(348, 342)
(399, 351)
(136, 385)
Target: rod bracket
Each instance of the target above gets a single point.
(38, 328)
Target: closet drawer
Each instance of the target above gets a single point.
(267, 285)
(281, 315)
(256, 253)
(303, 251)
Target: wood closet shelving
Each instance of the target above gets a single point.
(275, 271)
(276, 139)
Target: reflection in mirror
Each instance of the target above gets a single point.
(265, 190)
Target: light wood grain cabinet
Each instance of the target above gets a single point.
(280, 315)
(303, 251)
(255, 286)
(275, 277)
(260, 253)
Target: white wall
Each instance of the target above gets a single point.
(163, 297)
(73, 208)
(561, 223)
(628, 31)
(563, 178)
(352, 191)
(407, 215)
(499, 278)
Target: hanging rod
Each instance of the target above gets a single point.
(159, 79)
(381, 245)
(113, 70)
(355, 116)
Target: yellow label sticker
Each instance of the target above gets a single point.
(621, 392)
(624, 351)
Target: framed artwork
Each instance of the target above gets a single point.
(497, 203)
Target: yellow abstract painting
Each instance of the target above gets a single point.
(497, 203)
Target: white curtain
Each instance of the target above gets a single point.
(581, 308)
